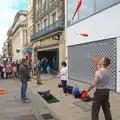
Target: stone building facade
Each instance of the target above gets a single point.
(48, 37)
(19, 35)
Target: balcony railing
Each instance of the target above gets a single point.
(57, 26)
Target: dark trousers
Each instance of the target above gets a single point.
(2, 75)
(7, 75)
(64, 84)
(101, 98)
(44, 68)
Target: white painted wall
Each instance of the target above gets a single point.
(19, 20)
(15, 45)
(103, 25)
(17, 42)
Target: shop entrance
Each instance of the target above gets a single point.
(52, 56)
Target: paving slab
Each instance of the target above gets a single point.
(66, 108)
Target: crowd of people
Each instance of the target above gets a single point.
(9, 70)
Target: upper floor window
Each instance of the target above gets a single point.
(54, 17)
(38, 27)
(71, 6)
(38, 7)
(88, 8)
(102, 4)
(45, 23)
(44, 4)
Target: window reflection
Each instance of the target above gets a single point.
(102, 4)
(71, 9)
(88, 8)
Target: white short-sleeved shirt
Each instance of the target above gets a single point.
(64, 73)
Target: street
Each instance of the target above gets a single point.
(11, 108)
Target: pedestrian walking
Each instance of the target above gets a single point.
(38, 71)
(101, 95)
(44, 63)
(24, 78)
(64, 76)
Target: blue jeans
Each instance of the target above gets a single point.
(23, 90)
(38, 77)
(64, 84)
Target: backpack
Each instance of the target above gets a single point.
(75, 91)
(46, 95)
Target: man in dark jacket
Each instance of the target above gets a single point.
(24, 78)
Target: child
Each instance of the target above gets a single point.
(48, 69)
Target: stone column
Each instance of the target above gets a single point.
(62, 50)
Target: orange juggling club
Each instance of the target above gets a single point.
(84, 35)
(3, 92)
(84, 95)
(95, 59)
(77, 8)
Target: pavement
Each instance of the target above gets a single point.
(69, 107)
(11, 108)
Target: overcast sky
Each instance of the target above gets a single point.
(8, 9)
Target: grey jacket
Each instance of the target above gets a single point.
(24, 72)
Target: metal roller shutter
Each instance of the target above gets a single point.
(81, 64)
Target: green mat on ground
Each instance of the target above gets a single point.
(52, 100)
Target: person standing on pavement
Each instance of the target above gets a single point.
(8, 68)
(44, 63)
(38, 71)
(64, 77)
(101, 95)
(17, 67)
(24, 78)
